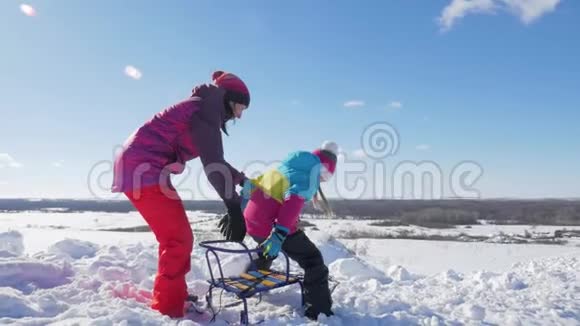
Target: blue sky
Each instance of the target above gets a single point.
(490, 81)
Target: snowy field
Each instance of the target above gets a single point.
(63, 269)
(346, 227)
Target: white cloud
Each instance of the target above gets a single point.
(459, 8)
(354, 104)
(7, 161)
(423, 147)
(359, 153)
(28, 10)
(133, 72)
(396, 104)
(526, 10)
(3, 183)
(530, 10)
(58, 164)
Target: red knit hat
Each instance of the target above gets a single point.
(236, 89)
(327, 153)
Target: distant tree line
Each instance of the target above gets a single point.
(431, 213)
(460, 212)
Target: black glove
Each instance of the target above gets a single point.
(233, 225)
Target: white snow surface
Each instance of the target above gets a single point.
(74, 274)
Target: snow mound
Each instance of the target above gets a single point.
(113, 273)
(27, 274)
(472, 311)
(11, 244)
(330, 248)
(76, 249)
(509, 281)
(399, 273)
(349, 268)
(450, 276)
(15, 305)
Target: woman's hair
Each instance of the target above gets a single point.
(322, 204)
(229, 113)
(225, 127)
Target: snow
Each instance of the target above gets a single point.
(11, 244)
(27, 274)
(354, 268)
(74, 248)
(75, 274)
(430, 257)
(399, 273)
(80, 220)
(15, 305)
(363, 228)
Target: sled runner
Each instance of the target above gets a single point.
(247, 284)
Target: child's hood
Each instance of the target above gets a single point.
(302, 161)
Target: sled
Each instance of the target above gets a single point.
(246, 284)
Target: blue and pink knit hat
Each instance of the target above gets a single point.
(328, 154)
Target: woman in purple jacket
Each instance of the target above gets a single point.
(184, 131)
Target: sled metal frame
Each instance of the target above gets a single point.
(212, 247)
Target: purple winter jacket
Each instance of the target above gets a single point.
(184, 131)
